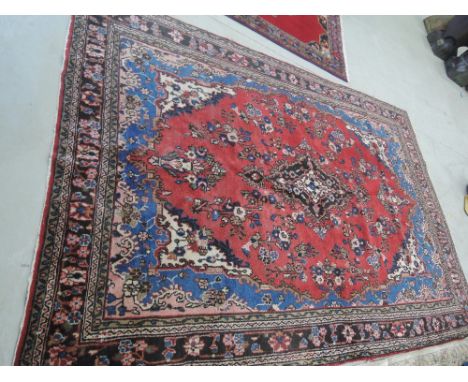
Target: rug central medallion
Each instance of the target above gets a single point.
(303, 181)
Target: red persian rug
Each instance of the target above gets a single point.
(211, 205)
(316, 39)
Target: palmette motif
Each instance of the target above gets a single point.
(214, 205)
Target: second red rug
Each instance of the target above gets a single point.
(316, 39)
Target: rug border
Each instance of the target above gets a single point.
(31, 289)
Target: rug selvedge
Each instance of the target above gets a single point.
(190, 222)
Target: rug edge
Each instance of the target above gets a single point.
(31, 288)
(54, 154)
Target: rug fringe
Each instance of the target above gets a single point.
(450, 354)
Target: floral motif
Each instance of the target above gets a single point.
(193, 346)
(279, 342)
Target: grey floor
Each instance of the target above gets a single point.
(387, 57)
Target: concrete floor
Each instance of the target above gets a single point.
(387, 57)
